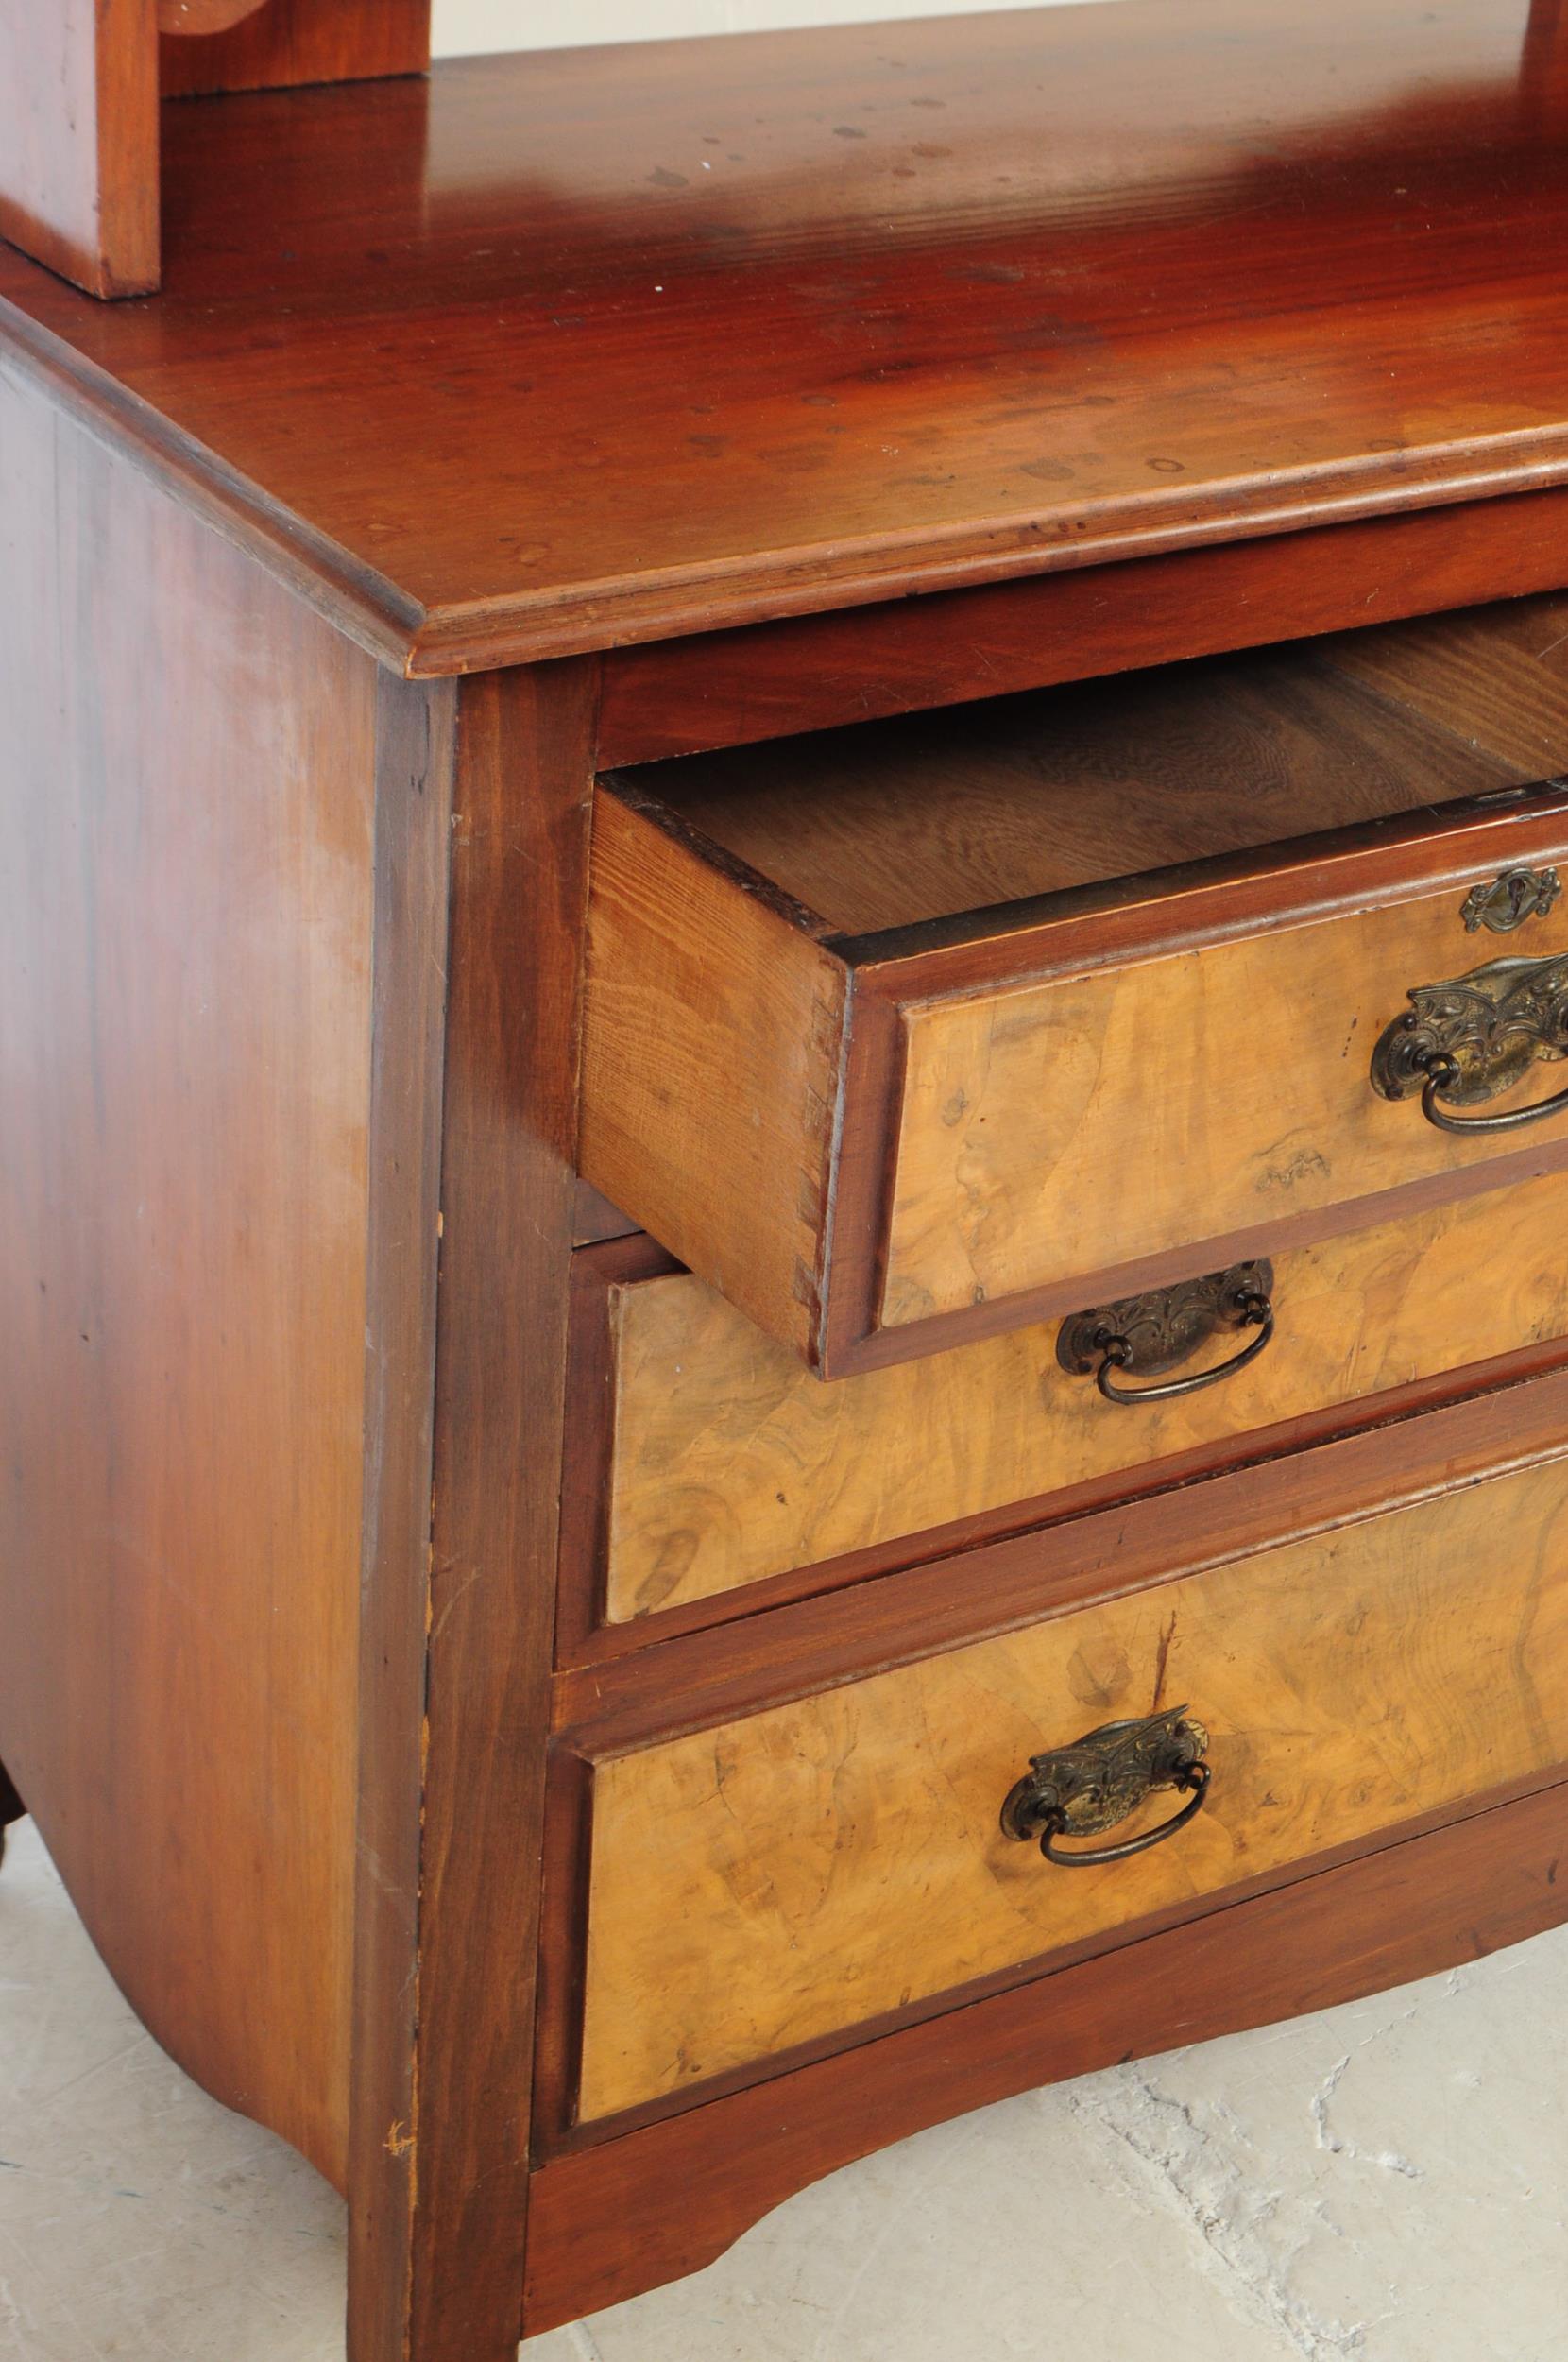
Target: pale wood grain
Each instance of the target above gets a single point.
(712, 1028)
(1082, 1120)
(731, 1463)
(851, 1134)
(764, 1883)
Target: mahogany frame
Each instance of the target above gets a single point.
(459, 2234)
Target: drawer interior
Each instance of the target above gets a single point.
(890, 824)
(871, 1016)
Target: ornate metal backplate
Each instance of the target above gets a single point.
(1105, 1777)
(1508, 900)
(1165, 1326)
(1492, 1023)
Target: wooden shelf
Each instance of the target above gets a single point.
(603, 346)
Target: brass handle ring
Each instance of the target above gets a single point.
(1465, 1042)
(1165, 1326)
(1252, 1312)
(1197, 1777)
(1086, 1789)
(1442, 1073)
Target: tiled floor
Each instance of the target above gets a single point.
(1387, 2181)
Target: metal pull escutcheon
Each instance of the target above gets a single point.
(1154, 1332)
(1470, 1039)
(1102, 1779)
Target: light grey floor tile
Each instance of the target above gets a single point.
(1384, 2182)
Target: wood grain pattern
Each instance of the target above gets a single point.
(730, 1464)
(914, 819)
(818, 672)
(416, 776)
(203, 16)
(610, 2220)
(752, 1080)
(693, 1681)
(768, 1881)
(1498, 679)
(268, 45)
(1229, 1078)
(900, 335)
(79, 139)
(712, 1033)
(187, 768)
(437, 2257)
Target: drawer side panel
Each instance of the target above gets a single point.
(713, 1033)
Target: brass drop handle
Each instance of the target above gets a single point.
(1153, 1332)
(1470, 1039)
(1443, 1080)
(1102, 1779)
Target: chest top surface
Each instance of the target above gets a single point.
(571, 350)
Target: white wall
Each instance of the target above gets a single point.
(463, 26)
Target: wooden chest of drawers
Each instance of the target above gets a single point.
(783, 1010)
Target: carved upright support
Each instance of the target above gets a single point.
(79, 86)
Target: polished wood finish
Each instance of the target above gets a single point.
(885, 828)
(773, 1879)
(203, 16)
(437, 2259)
(268, 44)
(80, 84)
(893, 339)
(79, 139)
(690, 1681)
(725, 1464)
(876, 1145)
(492, 372)
(407, 1047)
(732, 688)
(182, 1290)
(613, 2220)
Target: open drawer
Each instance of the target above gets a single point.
(917, 1030)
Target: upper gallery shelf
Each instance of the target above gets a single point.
(566, 350)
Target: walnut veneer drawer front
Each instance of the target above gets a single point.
(724, 1462)
(878, 1122)
(812, 1866)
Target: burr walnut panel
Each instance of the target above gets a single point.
(728, 1463)
(810, 1867)
(879, 1145)
(1113, 1111)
